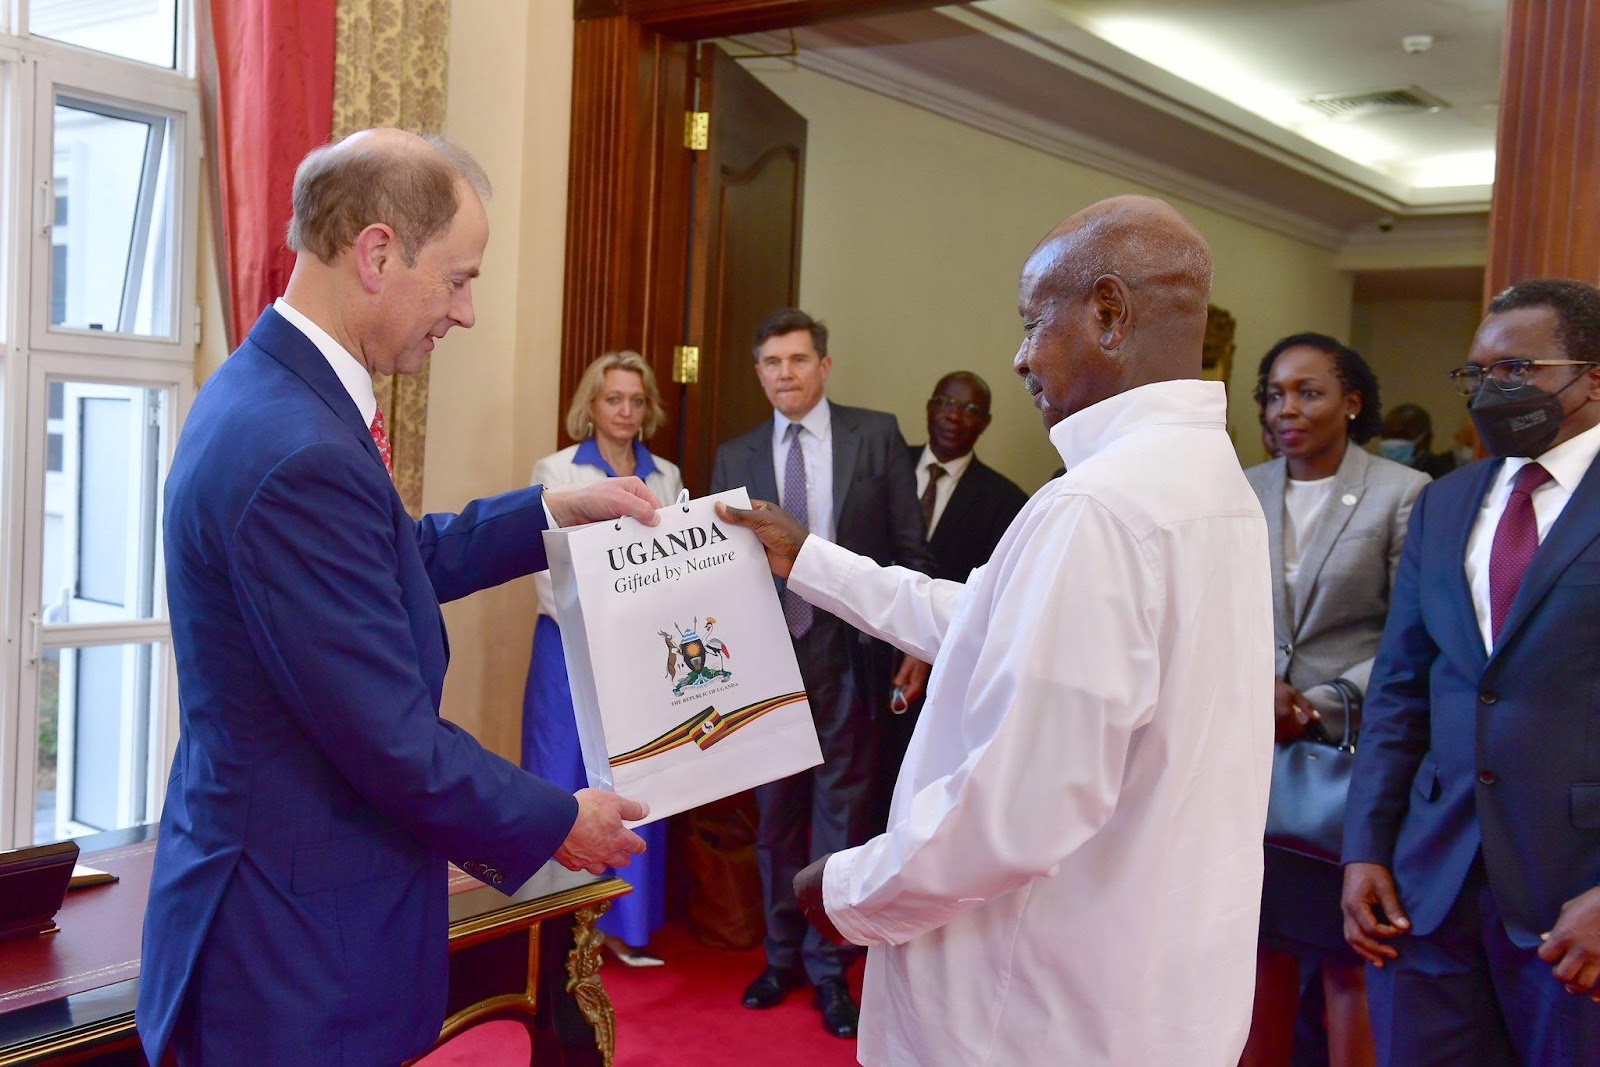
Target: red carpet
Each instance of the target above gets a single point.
(688, 1012)
(685, 1013)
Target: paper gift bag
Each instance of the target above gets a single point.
(683, 677)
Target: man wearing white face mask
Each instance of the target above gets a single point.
(1408, 439)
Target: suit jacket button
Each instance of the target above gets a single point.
(1486, 777)
(1487, 697)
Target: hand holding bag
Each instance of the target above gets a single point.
(1310, 782)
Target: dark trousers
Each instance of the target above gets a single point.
(1466, 996)
(822, 810)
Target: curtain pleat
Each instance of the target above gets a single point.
(267, 80)
(390, 71)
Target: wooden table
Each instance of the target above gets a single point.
(533, 957)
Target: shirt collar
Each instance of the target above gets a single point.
(1182, 402)
(817, 420)
(352, 375)
(1567, 463)
(588, 454)
(953, 469)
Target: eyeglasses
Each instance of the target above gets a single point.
(977, 411)
(1507, 373)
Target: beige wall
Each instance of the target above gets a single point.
(915, 229)
(1410, 345)
(492, 403)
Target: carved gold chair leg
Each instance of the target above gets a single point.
(583, 978)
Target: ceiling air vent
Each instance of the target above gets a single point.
(1376, 102)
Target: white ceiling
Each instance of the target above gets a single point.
(1271, 56)
(1203, 97)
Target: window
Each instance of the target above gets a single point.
(99, 184)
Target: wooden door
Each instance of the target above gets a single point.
(744, 251)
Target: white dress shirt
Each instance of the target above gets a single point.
(816, 449)
(1303, 504)
(1567, 463)
(1072, 873)
(946, 484)
(352, 375)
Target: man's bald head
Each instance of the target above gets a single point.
(409, 182)
(1140, 239)
(1113, 298)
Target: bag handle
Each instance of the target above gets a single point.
(1350, 699)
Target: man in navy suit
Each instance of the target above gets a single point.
(297, 909)
(842, 472)
(1472, 839)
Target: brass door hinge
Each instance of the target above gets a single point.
(686, 364)
(696, 130)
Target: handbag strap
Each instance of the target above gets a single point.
(1350, 698)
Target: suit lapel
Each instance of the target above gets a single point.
(1456, 515)
(280, 339)
(762, 477)
(1575, 529)
(963, 501)
(1272, 504)
(846, 443)
(1348, 485)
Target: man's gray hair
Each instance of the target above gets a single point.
(340, 190)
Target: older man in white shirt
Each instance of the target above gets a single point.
(1072, 870)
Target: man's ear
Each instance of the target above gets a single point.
(1112, 307)
(1594, 383)
(376, 250)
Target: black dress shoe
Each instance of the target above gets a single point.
(769, 990)
(839, 1014)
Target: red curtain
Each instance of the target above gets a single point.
(267, 77)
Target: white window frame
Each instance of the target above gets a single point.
(33, 72)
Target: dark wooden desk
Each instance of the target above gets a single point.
(533, 957)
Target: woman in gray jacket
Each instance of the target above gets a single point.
(1336, 519)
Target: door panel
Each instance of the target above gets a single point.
(744, 251)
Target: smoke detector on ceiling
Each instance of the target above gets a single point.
(1365, 104)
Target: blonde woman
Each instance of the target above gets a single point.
(615, 408)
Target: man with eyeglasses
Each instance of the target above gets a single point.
(980, 503)
(1472, 833)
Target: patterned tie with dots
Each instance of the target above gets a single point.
(798, 613)
(380, 437)
(1516, 539)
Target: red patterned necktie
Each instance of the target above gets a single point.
(1516, 539)
(380, 437)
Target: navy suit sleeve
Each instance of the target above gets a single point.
(1395, 717)
(490, 542)
(314, 561)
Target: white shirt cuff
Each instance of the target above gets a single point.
(836, 900)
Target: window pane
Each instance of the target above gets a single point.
(145, 30)
(111, 237)
(95, 713)
(102, 485)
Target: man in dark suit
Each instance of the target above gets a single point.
(841, 472)
(980, 502)
(1472, 836)
(297, 908)
(951, 480)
